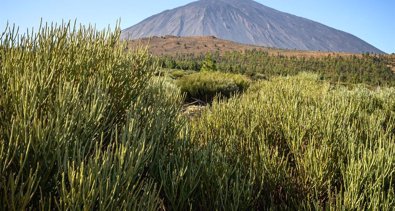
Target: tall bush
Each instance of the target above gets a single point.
(209, 64)
(80, 121)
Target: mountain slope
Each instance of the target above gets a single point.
(173, 46)
(246, 21)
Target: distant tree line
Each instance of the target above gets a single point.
(369, 69)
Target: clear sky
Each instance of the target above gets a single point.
(370, 20)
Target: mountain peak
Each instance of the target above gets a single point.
(248, 22)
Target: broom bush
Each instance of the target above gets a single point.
(80, 121)
(299, 143)
(206, 85)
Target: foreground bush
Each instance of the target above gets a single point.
(206, 85)
(80, 122)
(298, 143)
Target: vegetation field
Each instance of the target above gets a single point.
(87, 125)
(348, 69)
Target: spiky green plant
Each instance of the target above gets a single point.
(206, 85)
(301, 143)
(80, 121)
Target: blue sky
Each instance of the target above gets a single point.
(370, 20)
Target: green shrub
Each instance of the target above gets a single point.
(206, 85)
(80, 121)
(298, 143)
(176, 74)
(208, 64)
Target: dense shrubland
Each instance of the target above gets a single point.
(85, 125)
(300, 143)
(368, 69)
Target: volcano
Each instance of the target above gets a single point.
(248, 22)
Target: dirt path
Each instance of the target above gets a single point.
(193, 111)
